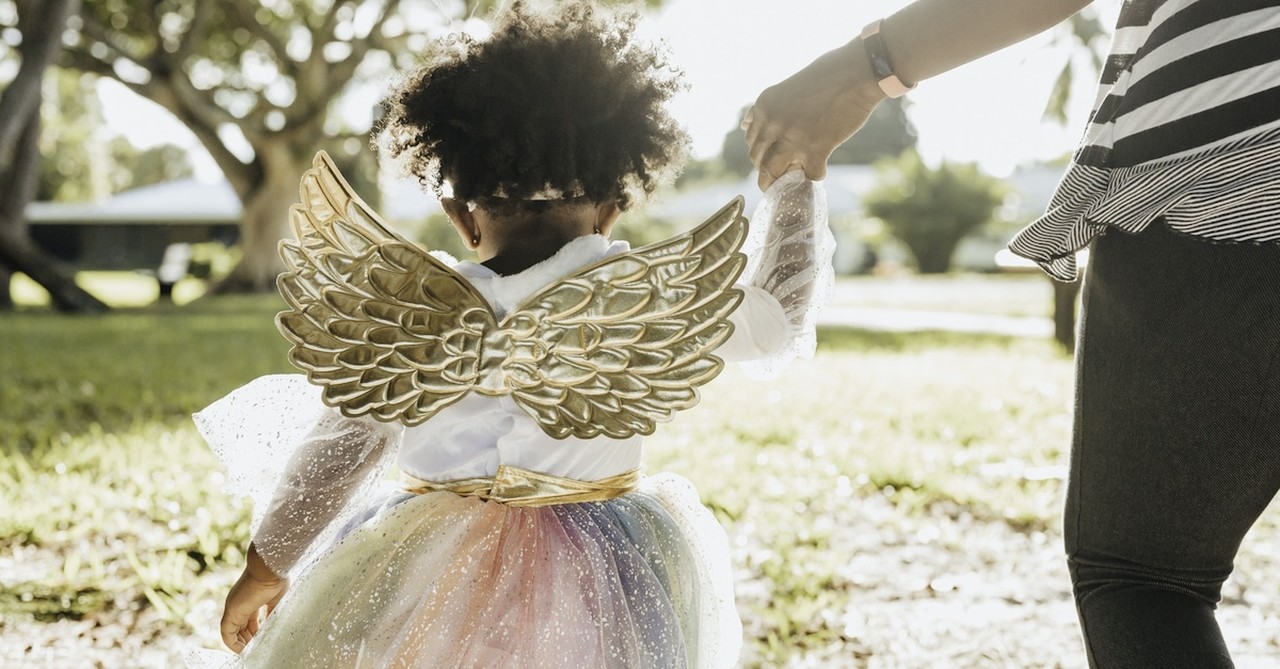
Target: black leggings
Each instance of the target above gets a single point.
(1177, 440)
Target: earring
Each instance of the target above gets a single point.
(596, 229)
(475, 239)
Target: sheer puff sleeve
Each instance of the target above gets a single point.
(788, 277)
(308, 469)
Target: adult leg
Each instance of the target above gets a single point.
(1176, 443)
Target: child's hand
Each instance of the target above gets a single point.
(258, 586)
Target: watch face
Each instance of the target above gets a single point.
(880, 65)
(881, 68)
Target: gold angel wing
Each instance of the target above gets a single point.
(611, 349)
(382, 326)
(623, 344)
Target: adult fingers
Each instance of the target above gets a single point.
(762, 148)
(755, 142)
(765, 176)
(764, 180)
(752, 123)
(814, 170)
(778, 162)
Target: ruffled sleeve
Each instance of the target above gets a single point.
(308, 469)
(1228, 192)
(788, 277)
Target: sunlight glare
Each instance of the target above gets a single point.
(989, 111)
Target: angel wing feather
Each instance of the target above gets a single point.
(628, 340)
(385, 328)
(611, 349)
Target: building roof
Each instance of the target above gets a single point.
(193, 201)
(179, 201)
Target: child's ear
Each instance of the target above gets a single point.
(607, 214)
(463, 221)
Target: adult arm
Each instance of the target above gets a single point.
(802, 119)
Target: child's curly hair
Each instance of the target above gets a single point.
(564, 100)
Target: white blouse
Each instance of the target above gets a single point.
(472, 437)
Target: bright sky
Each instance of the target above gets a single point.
(988, 111)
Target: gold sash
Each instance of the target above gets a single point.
(523, 487)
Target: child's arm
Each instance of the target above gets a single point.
(302, 463)
(787, 278)
(257, 587)
(338, 459)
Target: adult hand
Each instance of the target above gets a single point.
(801, 120)
(257, 587)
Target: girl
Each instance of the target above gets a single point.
(522, 534)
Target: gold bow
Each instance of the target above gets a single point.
(515, 486)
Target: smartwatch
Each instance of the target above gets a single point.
(881, 68)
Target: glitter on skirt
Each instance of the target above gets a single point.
(439, 580)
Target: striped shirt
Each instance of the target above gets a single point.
(1186, 127)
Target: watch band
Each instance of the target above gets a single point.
(880, 65)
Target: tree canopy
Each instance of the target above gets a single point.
(255, 81)
(80, 161)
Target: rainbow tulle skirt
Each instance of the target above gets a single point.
(444, 581)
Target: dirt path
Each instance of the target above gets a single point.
(945, 590)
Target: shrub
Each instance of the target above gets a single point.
(931, 209)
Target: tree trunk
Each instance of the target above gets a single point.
(265, 221)
(6, 283)
(18, 252)
(267, 184)
(20, 137)
(1064, 312)
(41, 28)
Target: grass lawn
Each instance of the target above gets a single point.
(113, 509)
